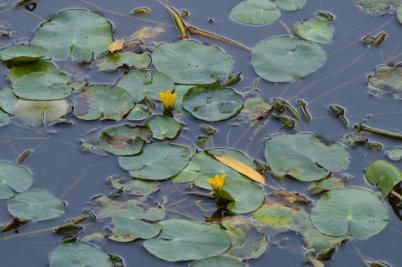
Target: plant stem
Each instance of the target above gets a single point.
(397, 195)
(287, 28)
(362, 127)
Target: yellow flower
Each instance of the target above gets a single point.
(217, 183)
(168, 99)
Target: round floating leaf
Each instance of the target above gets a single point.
(145, 83)
(189, 62)
(218, 261)
(317, 30)
(323, 245)
(138, 113)
(256, 108)
(7, 100)
(77, 33)
(374, 6)
(182, 240)
(129, 59)
(353, 211)
(13, 177)
(102, 102)
(163, 127)
(248, 241)
(285, 59)
(212, 104)
(124, 139)
(394, 154)
(156, 161)
(36, 205)
(40, 112)
(304, 157)
(257, 12)
(135, 187)
(384, 175)
(78, 254)
(290, 5)
(22, 53)
(386, 78)
(4, 119)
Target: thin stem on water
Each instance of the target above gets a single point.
(287, 28)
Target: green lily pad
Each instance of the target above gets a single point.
(182, 240)
(4, 119)
(212, 104)
(138, 113)
(318, 30)
(7, 100)
(145, 83)
(13, 177)
(247, 239)
(286, 59)
(353, 211)
(386, 78)
(22, 53)
(256, 108)
(218, 261)
(326, 185)
(40, 112)
(156, 161)
(36, 205)
(304, 157)
(125, 139)
(78, 254)
(134, 187)
(256, 12)
(384, 175)
(102, 102)
(290, 5)
(16, 72)
(76, 33)
(374, 6)
(323, 245)
(399, 13)
(163, 127)
(128, 59)
(189, 62)
(394, 154)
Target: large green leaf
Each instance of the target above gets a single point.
(13, 177)
(384, 175)
(257, 12)
(285, 58)
(218, 261)
(77, 33)
(290, 5)
(22, 53)
(163, 127)
(189, 62)
(304, 157)
(386, 78)
(182, 240)
(353, 211)
(40, 112)
(7, 100)
(318, 30)
(156, 161)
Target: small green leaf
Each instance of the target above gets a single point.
(384, 175)
(163, 127)
(125, 59)
(255, 12)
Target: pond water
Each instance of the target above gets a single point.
(60, 165)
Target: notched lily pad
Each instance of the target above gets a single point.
(40, 112)
(22, 53)
(134, 187)
(163, 127)
(384, 175)
(255, 12)
(13, 178)
(318, 30)
(138, 113)
(125, 59)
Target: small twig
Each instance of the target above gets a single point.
(181, 27)
(363, 127)
(287, 28)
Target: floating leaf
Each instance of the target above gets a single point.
(4, 119)
(326, 185)
(156, 161)
(218, 261)
(7, 100)
(147, 33)
(257, 12)
(135, 187)
(318, 30)
(386, 78)
(323, 245)
(138, 113)
(13, 177)
(102, 102)
(384, 175)
(374, 6)
(394, 154)
(163, 127)
(22, 53)
(182, 240)
(189, 62)
(40, 112)
(290, 5)
(248, 240)
(145, 83)
(116, 46)
(36, 205)
(304, 157)
(124, 140)
(256, 108)
(399, 13)
(353, 211)
(77, 33)
(286, 59)
(78, 254)
(212, 104)
(125, 59)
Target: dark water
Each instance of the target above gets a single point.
(60, 166)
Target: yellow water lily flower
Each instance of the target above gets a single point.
(217, 183)
(168, 99)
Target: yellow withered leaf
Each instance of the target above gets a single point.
(116, 46)
(241, 168)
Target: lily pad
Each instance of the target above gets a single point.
(326, 185)
(256, 108)
(374, 6)
(384, 175)
(218, 261)
(212, 104)
(247, 239)
(36, 205)
(399, 13)
(76, 33)
(7, 100)
(256, 12)
(286, 59)
(353, 211)
(145, 83)
(13, 177)
(40, 112)
(163, 127)
(124, 140)
(134, 187)
(182, 240)
(386, 78)
(189, 62)
(156, 161)
(304, 157)
(290, 5)
(22, 53)
(102, 102)
(318, 30)
(78, 254)
(126, 59)
(394, 154)
(4, 119)
(323, 245)
(138, 113)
